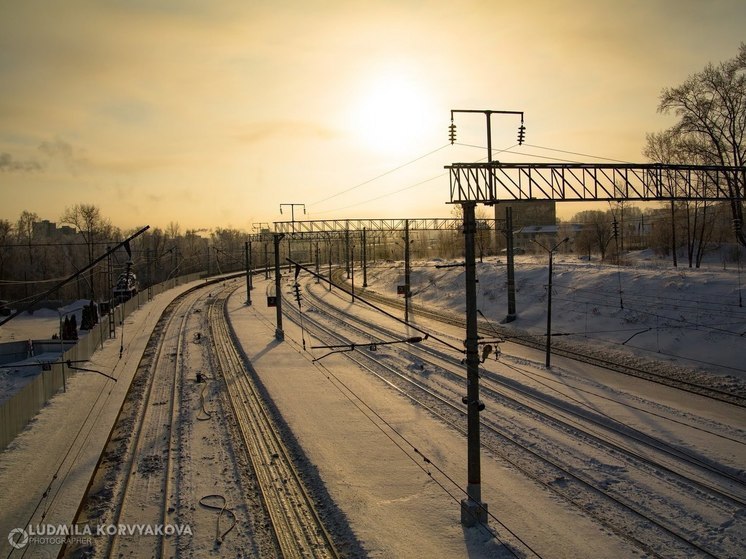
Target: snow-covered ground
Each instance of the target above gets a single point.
(356, 430)
(693, 317)
(396, 509)
(39, 325)
(42, 323)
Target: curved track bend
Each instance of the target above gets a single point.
(194, 458)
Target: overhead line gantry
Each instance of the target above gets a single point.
(492, 183)
(370, 225)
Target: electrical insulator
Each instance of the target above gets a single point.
(452, 133)
(521, 134)
(296, 287)
(615, 228)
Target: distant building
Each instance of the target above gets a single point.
(43, 229)
(529, 212)
(545, 233)
(525, 214)
(46, 229)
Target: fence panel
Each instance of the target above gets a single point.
(21, 407)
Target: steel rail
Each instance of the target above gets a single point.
(713, 393)
(493, 385)
(298, 527)
(645, 522)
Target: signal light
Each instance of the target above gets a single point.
(521, 134)
(452, 132)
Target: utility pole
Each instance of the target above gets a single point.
(473, 510)
(406, 271)
(149, 266)
(318, 263)
(292, 220)
(347, 251)
(263, 228)
(511, 264)
(248, 272)
(110, 315)
(352, 270)
(279, 334)
(329, 242)
(266, 260)
(549, 298)
(365, 260)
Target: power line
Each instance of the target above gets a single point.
(406, 187)
(384, 195)
(504, 150)
(381, 175)
(574, 153)
(510, 150)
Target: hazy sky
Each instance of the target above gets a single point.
(213, 113)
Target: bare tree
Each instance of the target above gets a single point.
(25, 226)
(194, 250)
(596, 232)
(6, 231)
(690, 219)
(173, 230)
(228, 247)
(711, 107)
(89, 222)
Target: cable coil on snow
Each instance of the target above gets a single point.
(219, 537)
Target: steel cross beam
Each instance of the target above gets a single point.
(490, 183)
(371, 225)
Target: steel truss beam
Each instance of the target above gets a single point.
(315, 235)
(490, 183)
(301, 228)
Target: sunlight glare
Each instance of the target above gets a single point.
(392, 115)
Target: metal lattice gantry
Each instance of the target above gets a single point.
(371, 225)
(490, 183)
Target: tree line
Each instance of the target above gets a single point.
(33, 258)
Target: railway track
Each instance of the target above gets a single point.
(630, 520)
(146, 492)
(568, 414)
(299, 531)
(194, 464)
(669, 378)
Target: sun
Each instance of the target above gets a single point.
(393, 113)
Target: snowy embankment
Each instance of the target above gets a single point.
(690, 318)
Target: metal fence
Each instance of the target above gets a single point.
(21, 407)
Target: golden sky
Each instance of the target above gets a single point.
(213, 113)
